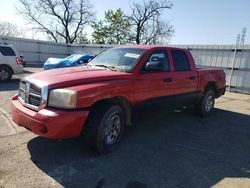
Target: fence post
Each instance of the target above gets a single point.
(39, 53)
(232, 68)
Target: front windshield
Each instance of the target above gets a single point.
(121, 59)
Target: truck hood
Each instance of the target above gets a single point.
(65, 77)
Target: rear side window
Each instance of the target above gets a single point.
(180, 59)
(7, 51)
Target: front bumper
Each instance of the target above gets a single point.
(18, 69)
(49, 122)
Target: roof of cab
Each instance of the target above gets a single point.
(146, 47)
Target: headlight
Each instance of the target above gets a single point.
(63, 98)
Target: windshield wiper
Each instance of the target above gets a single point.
(108, 67)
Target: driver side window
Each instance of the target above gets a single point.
(159, 56)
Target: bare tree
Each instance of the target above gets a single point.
(60, 19)
(148, 28)
(157, 32)
(10, 29)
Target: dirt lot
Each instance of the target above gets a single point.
(164, 149)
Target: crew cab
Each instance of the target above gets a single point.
(100, 99)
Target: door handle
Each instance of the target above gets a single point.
(167, 80)
(192, 78)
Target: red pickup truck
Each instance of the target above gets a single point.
(100, 99)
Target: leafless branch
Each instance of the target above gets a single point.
(10, 29)
(61, 19)
(145, 18)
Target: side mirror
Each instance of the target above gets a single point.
(154, 66)
(81, 62)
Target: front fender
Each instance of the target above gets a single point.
(89, 94)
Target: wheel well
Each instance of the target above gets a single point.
(122, 102)
(212, 86)
(4, 65)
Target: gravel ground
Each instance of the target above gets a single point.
(164, 149)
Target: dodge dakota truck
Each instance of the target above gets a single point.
(99, 99)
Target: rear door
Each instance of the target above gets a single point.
(4, 58)
(185, 76)
(8, 56)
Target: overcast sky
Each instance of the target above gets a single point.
(195, 21)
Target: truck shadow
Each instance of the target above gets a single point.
(167, 149)
(11, 85)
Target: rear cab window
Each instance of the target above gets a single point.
(7, 51)
(180, 60)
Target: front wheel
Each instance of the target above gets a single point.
(206, 104)
(105, 128)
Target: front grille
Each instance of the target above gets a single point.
(30, 95)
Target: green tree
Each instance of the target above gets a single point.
(115, 28)
(82, 38)
(100, 34)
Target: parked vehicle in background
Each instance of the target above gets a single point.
(10, 62)
(101, 98)
(70, 61)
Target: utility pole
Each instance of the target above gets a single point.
(239, 42)
(243, 35)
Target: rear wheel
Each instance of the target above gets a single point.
(206, 105)
(5, 73)
(105, 127)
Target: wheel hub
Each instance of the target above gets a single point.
(113, 128)
(4, 75)
(209, 103)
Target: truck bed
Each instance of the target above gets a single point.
(213, 75)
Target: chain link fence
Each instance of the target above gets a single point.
(234, 60)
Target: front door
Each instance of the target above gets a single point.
(154, 85)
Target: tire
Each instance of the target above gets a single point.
(105, 128)
(206, 104)
(5, 73)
